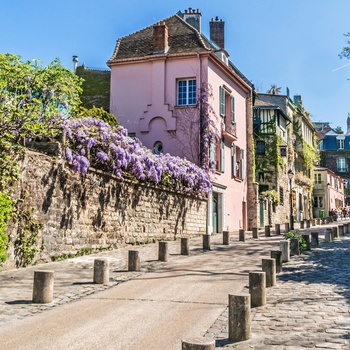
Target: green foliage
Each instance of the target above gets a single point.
(271, 195)
(99, 113)
(296, 234)
(6, 208)
(345, 53)
(34, 99)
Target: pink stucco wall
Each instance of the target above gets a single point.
(143, 97)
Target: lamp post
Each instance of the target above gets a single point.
(291, 218)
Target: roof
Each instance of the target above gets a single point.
(182, 38)
(259, 104)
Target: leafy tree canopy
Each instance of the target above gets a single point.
(34, 100)
(274, 90)
(346, 49)
(99, 113)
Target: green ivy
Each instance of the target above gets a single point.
(272, 195)
(6, 209)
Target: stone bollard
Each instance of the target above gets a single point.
(294, 246)
(285, 249)
(306, 238)
(206, 242)
(163, 251)
(225, 238)
(241, 235)
(239, 317)
(346, 227)
(257, 288)
(255, 232)
(335, 232)
(269, 267)
(198, 344)
(185, 246)
(101, 271)
(328, 235)
(314, 239)
(277, 255)
(323, 221)
(286, 227)
(43, 287)
(308, 223)
(277, 229)
(302, 224)
(267, 231)
(340, 230)
(134, 260)
(314, 222)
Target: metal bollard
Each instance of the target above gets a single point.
(239, 328)
(163, 251)
(277, 255)
(285, 249)
(255, 232)
(257, 288)
(206, 242)
(225, 238)
(269, 267)
(43, 287)
(101, 271)
(185, 247)
(134, 260)
(241, 235)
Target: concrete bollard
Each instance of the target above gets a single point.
(267, 231)
(241, 235)
(277, 229)
(206, 242)
(340, 231)
(302, 224)
(277, 255)
(134, 260)
(257, 288)
(306, 238)
(163, 251)
(314, 239)
(323, 221)
(198, 344)
(346, 229)
(286, 227)
(308, 223)
(43, 287)
(185, 246)
(285, 249)
(225, 238)
(269, 267)
(294, 246)
(314, 222)
(255, 232)
(239, 328)
(328, 235)
(335, 232)
(101, 271)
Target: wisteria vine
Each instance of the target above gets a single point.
(92, 142)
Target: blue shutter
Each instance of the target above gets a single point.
(234, 161)
(222, 155)
(232, 109)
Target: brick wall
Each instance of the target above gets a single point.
(99, 211)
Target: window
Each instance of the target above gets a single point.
(186, 92)
(237, 162)
(340, 143)
(317, 178)
(281, 196)
(261, 177)
(217, 154)
(260, 147)
(227, 104)
(341, 165)
(318, 202)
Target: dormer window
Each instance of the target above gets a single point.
(340, 141)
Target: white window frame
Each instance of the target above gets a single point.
(188, 99)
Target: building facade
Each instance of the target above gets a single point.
(177, 91)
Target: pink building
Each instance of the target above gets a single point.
(158, 75)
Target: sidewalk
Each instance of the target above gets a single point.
(289, 321)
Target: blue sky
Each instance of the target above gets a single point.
(289, 43)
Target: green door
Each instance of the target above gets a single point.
(261, 214)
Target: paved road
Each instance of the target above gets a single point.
(185, 297)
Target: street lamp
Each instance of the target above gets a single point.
(291, 219)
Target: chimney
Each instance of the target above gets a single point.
(193, 17)
(217, 32)
(75, 63)
(160, 38)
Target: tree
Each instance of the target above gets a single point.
(338, 130)
(34, 100)
(346, 49)
(274, 90)
(99, 113)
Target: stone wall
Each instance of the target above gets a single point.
(100, 212)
